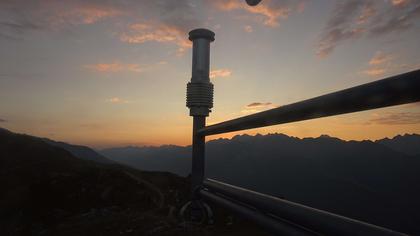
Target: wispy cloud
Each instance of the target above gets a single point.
(117, 100)
(259, 104)
(114, 67)
(374, 72)
(353, 19)
(341, 25)
(220, 73)
(268, 12)
(257, 107)
(81, 14)
(380, 58)
(13, 30)
(18, 17)
(399, 2)
(379, 64)
(386, 63)
(146, 32)
(132, 21)
(366, 13)
(397, 118)
(401, 18)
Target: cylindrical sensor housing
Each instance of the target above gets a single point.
(200, 90)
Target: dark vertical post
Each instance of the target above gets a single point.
(198, 149)
(199, 100)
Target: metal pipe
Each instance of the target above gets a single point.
(396, 90)
(198, 149)
(273, 225)
(322, 222)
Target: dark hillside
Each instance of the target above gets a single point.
(82, 152)
(43, 184)
(48, 191)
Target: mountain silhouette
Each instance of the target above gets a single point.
(407, 143)
(46, 190)
(81, 152)
(171, 158)
(370, 181)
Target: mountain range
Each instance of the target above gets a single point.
(54, 188)
(82, 152)
(374, 181)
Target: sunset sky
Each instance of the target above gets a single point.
(112, 73)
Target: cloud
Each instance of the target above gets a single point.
(132, 21)
(367, 12)
(257, 107)
(2, 120)
(166, 22)
(374, 72)
(400, 19)
(114, 67)
(13, 30)
(410, 67)
(333, 37)
(380, 58)
(340, 26)
(117, 100)
(143, 32)
(397, 118)
(384, 63)
(353, 19)
(248, 29)
(379, 64)
(268, 12)
(79, 14)
(19, 17)
(399, 2)
(259, 104)
(220, 73)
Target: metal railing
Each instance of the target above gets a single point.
(278, 215)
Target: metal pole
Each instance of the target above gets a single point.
(199, 100)
(198, 149)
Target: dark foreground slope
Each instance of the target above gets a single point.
(45, 190)
(366, 180)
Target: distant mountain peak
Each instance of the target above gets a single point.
(406, 143)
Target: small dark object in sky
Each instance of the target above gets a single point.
(253, 2)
